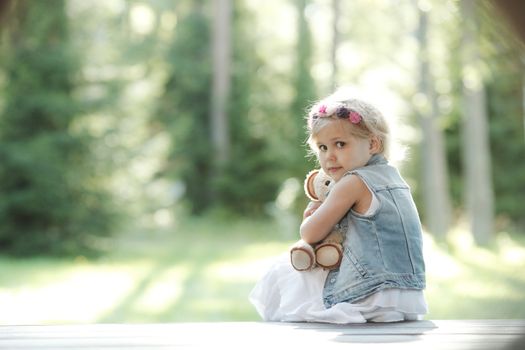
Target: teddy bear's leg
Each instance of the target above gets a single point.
(302, 257)
(329, 255)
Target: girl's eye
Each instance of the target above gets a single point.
(322, 148)
(340, 144)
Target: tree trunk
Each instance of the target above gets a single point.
(435, 173)
(336, 35)
(477, 162)
(523, 93)
(305, 93)
(221, 79)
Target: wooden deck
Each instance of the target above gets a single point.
(474, 334)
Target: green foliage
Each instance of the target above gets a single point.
(454, 147)
(49, 203)
(504, 85)
(184, 109)
(503, 79)
(247, 181)
(44, 109)
(501, 69)
(251, 176)
(305, 94)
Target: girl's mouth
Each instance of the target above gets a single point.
(333, 169)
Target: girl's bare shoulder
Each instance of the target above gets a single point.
(351, 182)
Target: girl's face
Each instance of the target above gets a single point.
(338, 151)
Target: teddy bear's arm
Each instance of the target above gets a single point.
(311, 208)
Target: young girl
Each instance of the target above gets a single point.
(382, 274)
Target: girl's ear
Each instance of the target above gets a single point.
(375, 144)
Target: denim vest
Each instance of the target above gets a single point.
(383, 250)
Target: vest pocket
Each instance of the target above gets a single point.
(355, 263)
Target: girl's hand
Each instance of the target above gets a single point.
(347, 192)
(311, 208)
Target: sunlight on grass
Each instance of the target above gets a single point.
(511, 253)
(468, 281)
(165, 290)
(244, 267)
(439, 264)
(166, 277)
(78, 294)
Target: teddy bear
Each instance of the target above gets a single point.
(328, 252)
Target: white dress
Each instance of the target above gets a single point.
(284, 294)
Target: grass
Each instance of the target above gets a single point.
(468, 281)
(203, 270)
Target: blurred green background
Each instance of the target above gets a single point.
(152, 152)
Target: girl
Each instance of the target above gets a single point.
(382, 273)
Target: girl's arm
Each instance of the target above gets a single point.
(346, 193)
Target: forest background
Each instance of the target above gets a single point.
(152, 152)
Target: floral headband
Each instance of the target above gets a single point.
(338, 109)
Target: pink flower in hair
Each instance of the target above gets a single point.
(322, 109)
(354, 117)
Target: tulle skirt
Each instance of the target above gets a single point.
(284, 294)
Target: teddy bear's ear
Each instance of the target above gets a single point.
(309, 185)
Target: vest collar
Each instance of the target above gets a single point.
(377, 159)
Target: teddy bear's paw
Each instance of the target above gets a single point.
(301, 259)
(328, 255)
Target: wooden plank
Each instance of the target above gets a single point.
(452, 327)
(478, 334)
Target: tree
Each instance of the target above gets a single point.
(51, 200)
(237, 167)
(336, 38)
(305, 92)
(476, 157)
(504, 64)
(221, 53)
(184, 107)
(250, 177)
(434, 166)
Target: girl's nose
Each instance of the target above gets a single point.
(330, 154)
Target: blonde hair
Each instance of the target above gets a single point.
(361, 119)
